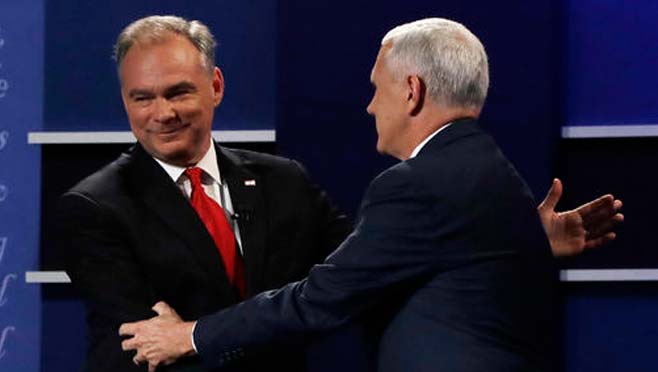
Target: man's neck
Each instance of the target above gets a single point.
(208, 163)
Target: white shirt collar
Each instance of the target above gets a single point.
(422, 144)
(208, 163)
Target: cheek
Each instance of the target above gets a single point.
(138, 118)
(382, 129)
(190, 109)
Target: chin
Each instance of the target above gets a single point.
(380, 148)
(179, 157)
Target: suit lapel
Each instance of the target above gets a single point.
(246, 189)
(164, 198)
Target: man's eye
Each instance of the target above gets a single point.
(178, 94)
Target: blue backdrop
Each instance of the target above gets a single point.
(611, 58)
(21, 92)
(80, 75)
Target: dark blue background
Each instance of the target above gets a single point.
(82, 89)
(611, 58)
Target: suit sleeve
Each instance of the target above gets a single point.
(393, 246)
(102, 266)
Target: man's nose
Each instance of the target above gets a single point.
(164, 110)
(369, 108)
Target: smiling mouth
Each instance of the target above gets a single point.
(168, 131)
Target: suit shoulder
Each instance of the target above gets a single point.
(398, 179)
(255, 157)
(107, 181)
(401, 170)
(264, 164)
(464, 156)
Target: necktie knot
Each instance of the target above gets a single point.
(194, 174)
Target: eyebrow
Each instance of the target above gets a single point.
(139, 92)
(182, 86)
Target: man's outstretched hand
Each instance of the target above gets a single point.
(585, 227)
(159, 340)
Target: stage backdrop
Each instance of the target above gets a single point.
(21, 81)
(611, 55)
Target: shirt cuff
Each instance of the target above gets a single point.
(192, 337)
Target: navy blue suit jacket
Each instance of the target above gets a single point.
(451, 242)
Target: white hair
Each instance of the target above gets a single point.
(449, 59)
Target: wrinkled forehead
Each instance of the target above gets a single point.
(176, 43)
(173, 50)
(150, 41)
(157, 68)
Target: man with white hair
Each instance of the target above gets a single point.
(448, 241)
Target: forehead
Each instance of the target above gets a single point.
(173, 56)
(380, 62)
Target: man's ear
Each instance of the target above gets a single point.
(217, 86)
(416, 92)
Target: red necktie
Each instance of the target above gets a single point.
(214, 219)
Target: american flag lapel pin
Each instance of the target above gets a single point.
(250, 182)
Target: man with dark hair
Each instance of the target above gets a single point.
(253, 221)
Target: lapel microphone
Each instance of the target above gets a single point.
(242, 214)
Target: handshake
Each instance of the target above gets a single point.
(166, 337)
(159, 340)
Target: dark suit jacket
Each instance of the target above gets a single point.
(135, 240)
(450, 244)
